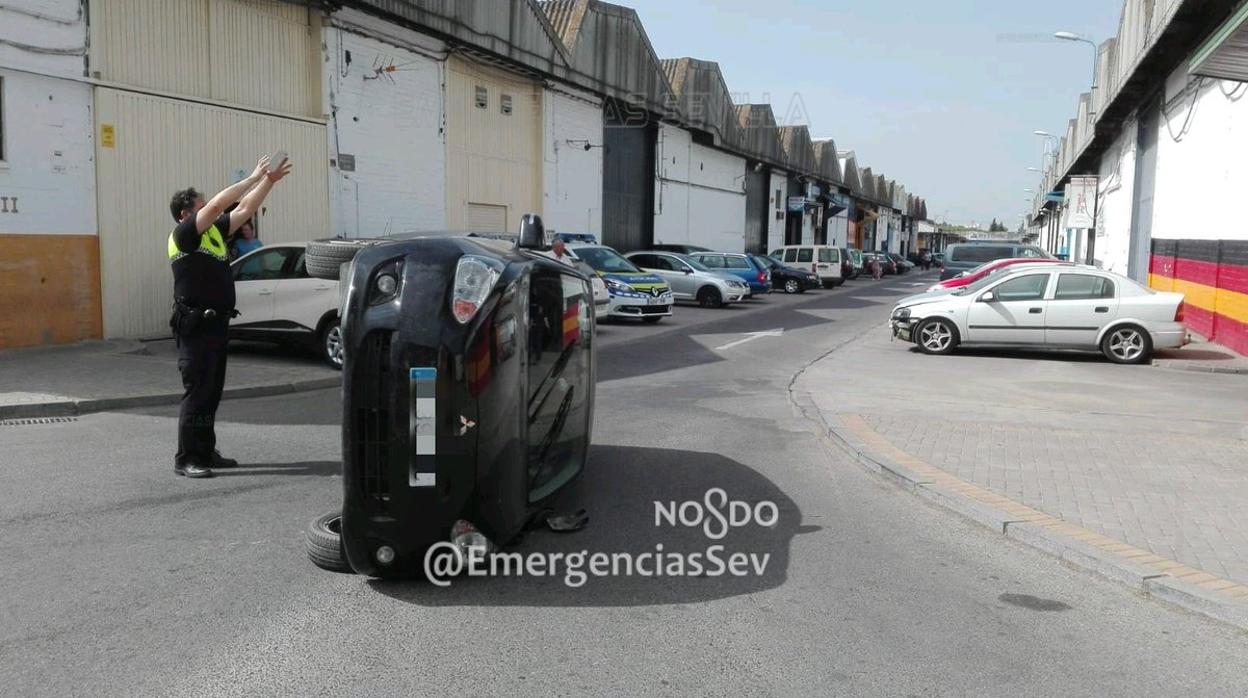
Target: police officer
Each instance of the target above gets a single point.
(203, 293)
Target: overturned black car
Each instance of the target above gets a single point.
(468, 391)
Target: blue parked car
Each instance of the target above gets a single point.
(754, 272)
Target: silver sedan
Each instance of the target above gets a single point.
(692, 281)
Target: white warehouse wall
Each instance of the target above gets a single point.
(49, 156)
(699, 193)
(779, 202)
(391, 123)
(1200, 170)
(1115, 199)
(46, 24)
(572, 175)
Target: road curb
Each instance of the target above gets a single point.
(1224, 370)
(1155, 576)
(73, 408)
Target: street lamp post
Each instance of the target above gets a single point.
(1071, 36)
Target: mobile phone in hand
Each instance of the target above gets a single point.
(276, 160)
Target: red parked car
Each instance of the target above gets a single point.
(979, 272)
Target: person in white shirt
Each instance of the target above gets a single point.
(559, 252)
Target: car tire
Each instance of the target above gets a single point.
(936, 336)
(652, 319)
(323, 541)
(709, 297)
(324, 258)
(1127, 344)
(792, 286)
(330, 344)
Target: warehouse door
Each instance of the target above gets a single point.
(628, 179)
(757, 208)
(148, 147)
(494, 146)
(486, 218)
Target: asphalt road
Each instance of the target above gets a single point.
(121, 579)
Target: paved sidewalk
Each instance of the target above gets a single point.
(1202, 356)
(105, 375)
(1143, 471)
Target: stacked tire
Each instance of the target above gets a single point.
(324, 258)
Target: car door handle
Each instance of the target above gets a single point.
(322, 288)
(265, 292)
(1036, 311)
(1101, 309)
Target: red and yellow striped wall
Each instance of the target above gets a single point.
(1213, 275)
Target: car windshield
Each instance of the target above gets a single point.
(605, 260)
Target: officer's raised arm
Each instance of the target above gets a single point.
(251, 202)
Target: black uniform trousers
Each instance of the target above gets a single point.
(201, 360)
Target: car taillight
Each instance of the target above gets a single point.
(1178, 312)
(474, 278)
(762, 276)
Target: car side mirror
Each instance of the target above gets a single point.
(687, 270)
(532, 233)
(987, 297)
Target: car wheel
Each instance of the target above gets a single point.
(708, 297)
(324, 258)
(323, 540)
(936, 336)
(792, 286)
(652, 319)
(331, 344)
(1127, 344)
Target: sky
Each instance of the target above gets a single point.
(942, 96)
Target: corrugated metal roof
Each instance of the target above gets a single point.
(868, 183)
(827, 161)
(849, 172)
(799, 155)
(702, 98)
(565, 18)
(759, 136)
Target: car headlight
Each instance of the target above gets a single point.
(901, 314)
(474, 278)
(614, 285)
(385, 283)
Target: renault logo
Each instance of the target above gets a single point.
(656, 291)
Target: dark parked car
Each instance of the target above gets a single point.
(887, 265)
(678, 249)
(848, 269)
(964, 256)
(468, 393)
(903, 265)
(789, 279)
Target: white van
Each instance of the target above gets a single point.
(823, 260)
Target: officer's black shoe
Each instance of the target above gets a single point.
(192, 470)
(216, 460)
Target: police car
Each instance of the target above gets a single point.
(634, 293)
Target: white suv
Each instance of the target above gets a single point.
(278, 302)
